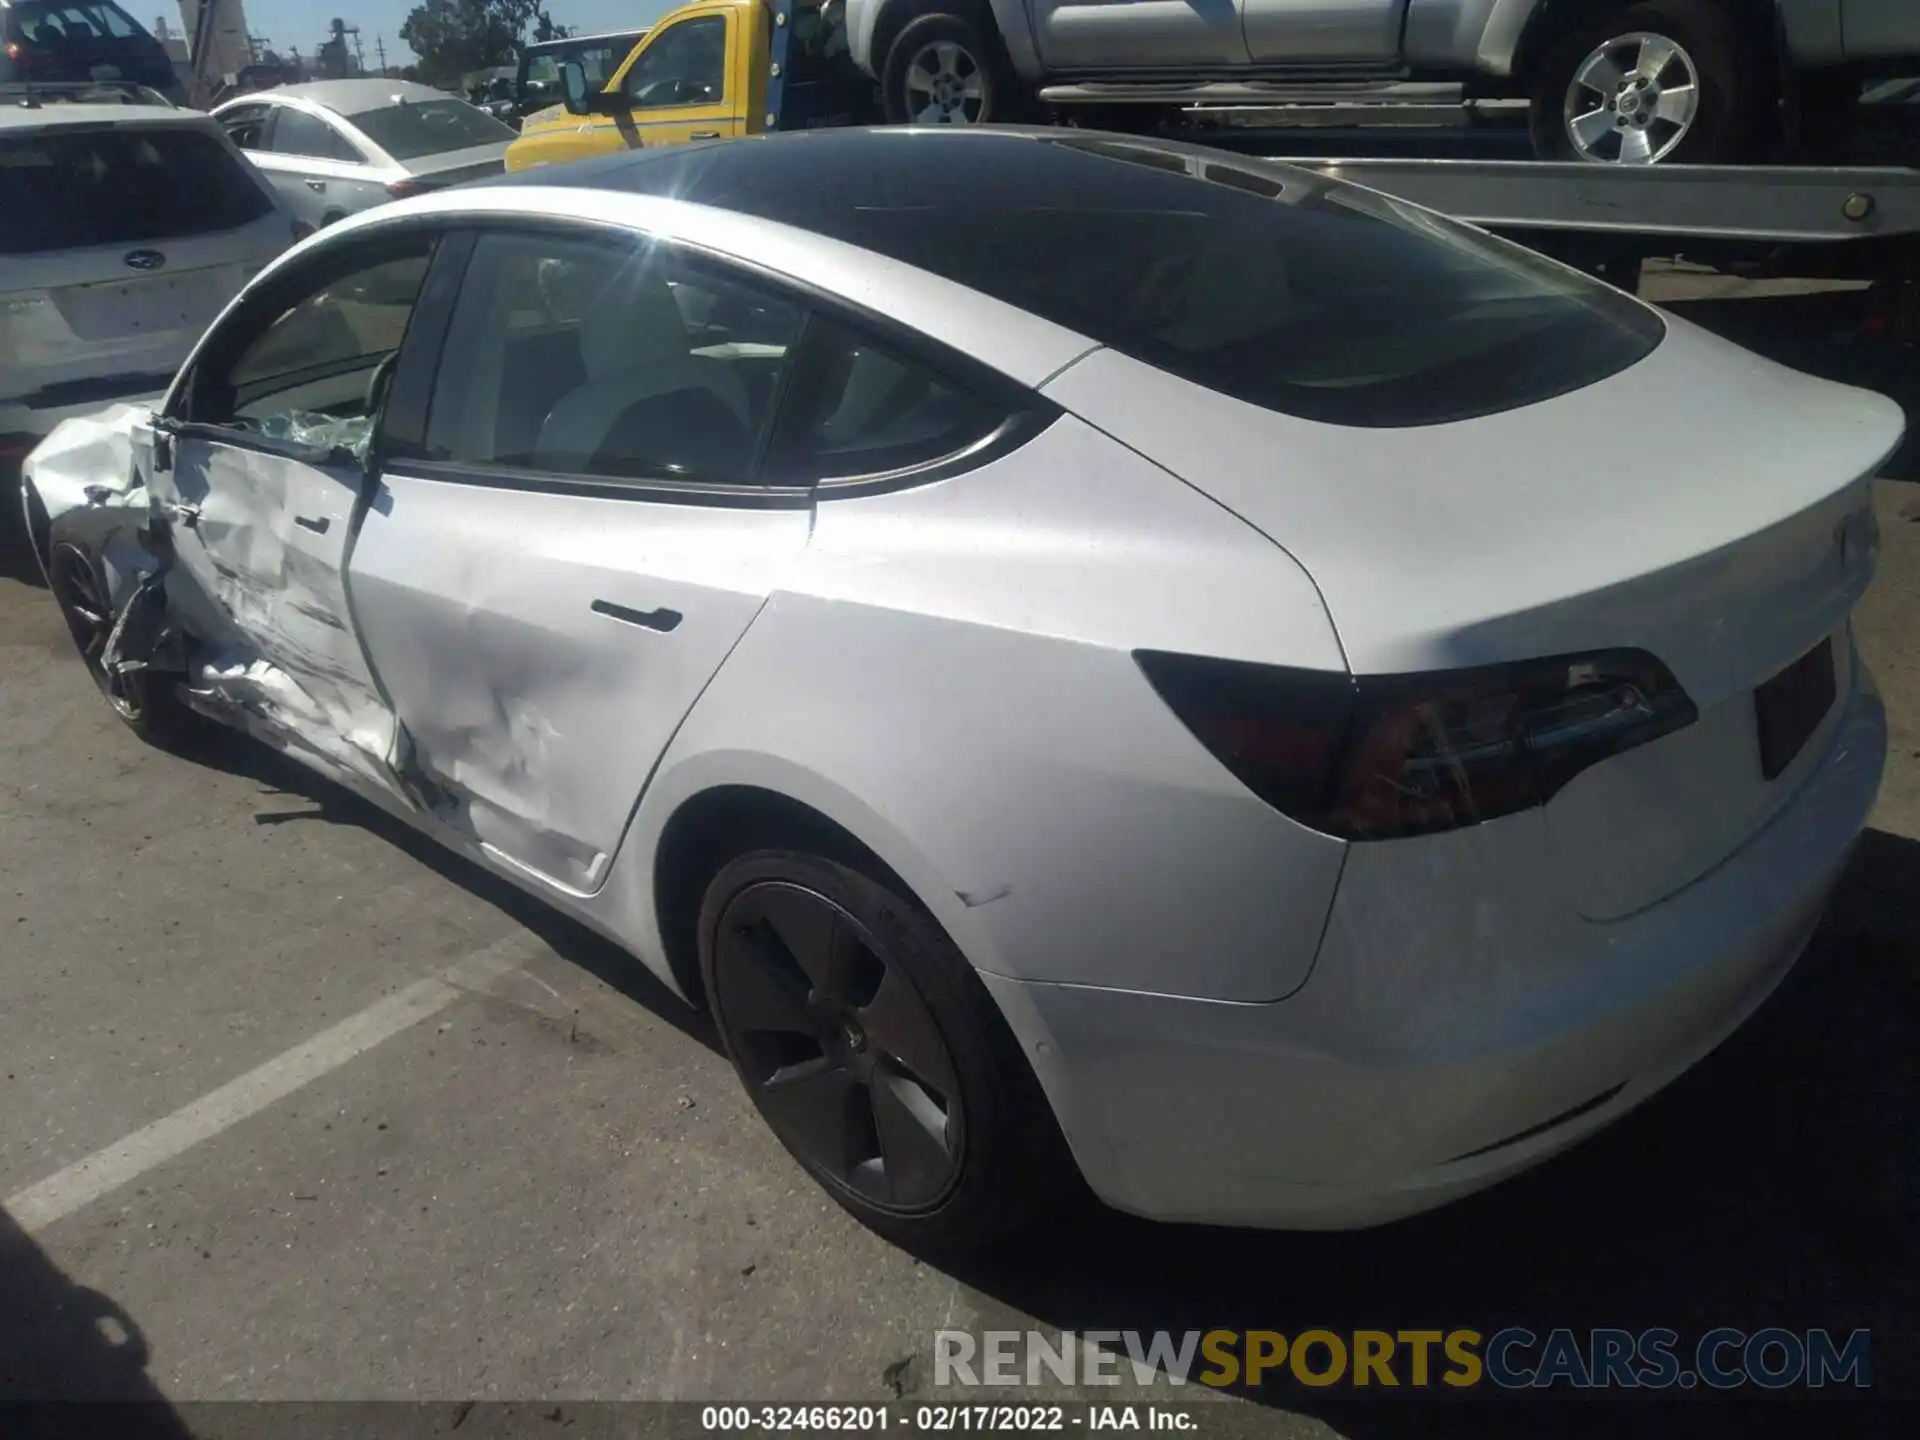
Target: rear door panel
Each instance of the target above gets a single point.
(544, 600)
(541, 648)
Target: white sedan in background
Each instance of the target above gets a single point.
(336, 147)
(126, 225)
(1082, 652)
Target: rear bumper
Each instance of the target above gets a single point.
(1398, 1077)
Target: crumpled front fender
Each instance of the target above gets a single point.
(87, 479)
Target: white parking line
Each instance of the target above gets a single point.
(106, 1170)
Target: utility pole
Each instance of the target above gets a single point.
(380, 51)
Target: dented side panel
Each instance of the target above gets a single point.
(260, 543)
(541, 649)
(89, 481)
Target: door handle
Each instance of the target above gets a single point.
(661, 620)
(317, 524)
(703, 135)
(316, 184)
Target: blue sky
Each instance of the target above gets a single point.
(303, 23)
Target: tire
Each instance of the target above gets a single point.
(144, 700)
(1731, 83)
(821, 978)
(973, 85)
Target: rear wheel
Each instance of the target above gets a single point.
(1666, 80)
(871, 1048)
(943, 69)
(144, 700)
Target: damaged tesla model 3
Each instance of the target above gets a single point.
(1085, 655)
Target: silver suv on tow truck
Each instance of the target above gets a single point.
(1620, 81)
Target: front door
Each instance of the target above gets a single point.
(690, 79)
(1324, 32)
(1078, 35)
(260, 468)
(548, 586)
(680, 83)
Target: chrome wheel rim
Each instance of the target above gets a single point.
(945, 86)
(837, 1047)
(1632, 100)
(82, 597)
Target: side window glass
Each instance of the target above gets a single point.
(319, 369)
(296, 132)
(586, 358)
(686, 64)
(856, 407)
(244, 125)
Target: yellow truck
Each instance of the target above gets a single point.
(711, 70)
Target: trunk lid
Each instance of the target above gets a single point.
(456, 167)
(1686, 505)
(1704, 504)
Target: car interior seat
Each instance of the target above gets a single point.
(633, 346)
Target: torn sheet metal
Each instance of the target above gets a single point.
(227, 567)
(261, 542)
(89, 452)
(87, 475)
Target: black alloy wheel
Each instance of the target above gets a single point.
(838, 1049)
(143, 699)
(82, 596)
(875, 1052)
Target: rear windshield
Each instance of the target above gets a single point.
(66, 188)
(1274, 286)
(429, 127)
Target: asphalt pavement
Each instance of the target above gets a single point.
(293, 1106)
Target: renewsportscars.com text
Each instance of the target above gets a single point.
(1514, 1358)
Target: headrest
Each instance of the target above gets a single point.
(633, 320)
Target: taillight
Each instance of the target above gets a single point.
(1376, 757)
(406, 189)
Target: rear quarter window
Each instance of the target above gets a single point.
(1275, 286)
(68, 188)
(1342, 306)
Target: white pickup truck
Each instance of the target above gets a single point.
(1620, 81)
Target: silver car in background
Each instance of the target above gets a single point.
(336, 147)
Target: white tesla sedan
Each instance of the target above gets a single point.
(1080, 651)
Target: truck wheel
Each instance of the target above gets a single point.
(1671, 80)
(942, 70)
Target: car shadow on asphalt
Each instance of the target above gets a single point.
(1774, 1184)
(311, 799)
(60, 1343)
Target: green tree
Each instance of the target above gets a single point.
(456, 37)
